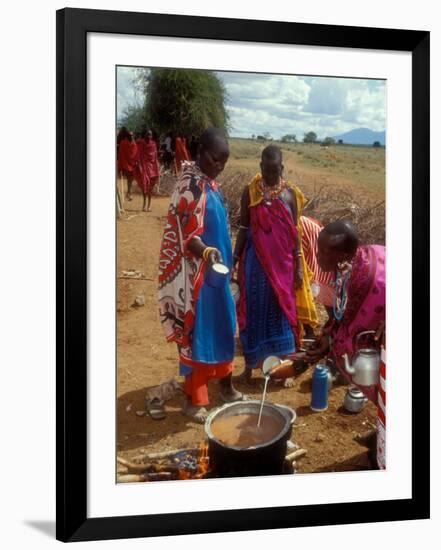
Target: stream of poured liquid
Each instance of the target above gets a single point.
(263, 400)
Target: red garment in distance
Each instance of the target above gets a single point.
(127, 156)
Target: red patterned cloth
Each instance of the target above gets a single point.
(324, 281)
(180, 272)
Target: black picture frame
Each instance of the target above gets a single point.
(71, 425)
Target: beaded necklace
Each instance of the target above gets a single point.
(341, 297)
(269, 193)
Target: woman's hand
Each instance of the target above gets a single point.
(214, 257)
(380, 335)
(320, 349)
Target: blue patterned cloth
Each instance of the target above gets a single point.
(215, 314)
(267, 330)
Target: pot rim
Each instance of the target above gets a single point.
(284, 410)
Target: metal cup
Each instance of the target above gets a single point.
(217, 275)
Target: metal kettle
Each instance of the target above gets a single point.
(365, 363)
(355, 400)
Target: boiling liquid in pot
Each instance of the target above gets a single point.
(241, 430)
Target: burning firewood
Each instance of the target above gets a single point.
(168, 454)
(152, 468)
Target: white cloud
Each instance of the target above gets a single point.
(127, 93)
(282, 104)
(288, 104)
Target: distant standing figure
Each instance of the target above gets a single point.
(167, 151)
(148, 170)
(128, 160)
(181, 153)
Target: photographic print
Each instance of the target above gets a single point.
(251, 274)
(226, 191)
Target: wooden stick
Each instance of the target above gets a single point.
(160, 476)
(132, 466)
(134, 278)
(296, 454)
(166, 454)
(140, 468)
(130, 478)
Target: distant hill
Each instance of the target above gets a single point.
(362, 136)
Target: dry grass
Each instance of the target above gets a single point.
(339, 182)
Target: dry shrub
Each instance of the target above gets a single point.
(331, 203)
(325, 202)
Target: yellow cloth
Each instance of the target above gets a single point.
(306, 310)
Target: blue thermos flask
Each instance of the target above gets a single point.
(319, 395)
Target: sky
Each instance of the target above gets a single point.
(287, 104)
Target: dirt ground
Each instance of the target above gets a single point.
(145, 360)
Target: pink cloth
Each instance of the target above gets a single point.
(274, 234)
(366, 305)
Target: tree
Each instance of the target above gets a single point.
(340, 142)
(289, 138)
(376, 144)
(134, 119)
(253, 136)
(267, 136)
(328, 141)
(310, 137)
(184, 101)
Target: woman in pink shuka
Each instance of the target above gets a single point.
(359, 305)
(360, 293)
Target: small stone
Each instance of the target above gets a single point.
(319, 438)
(139, 301)
(291, 446)
(129, 407)
(140, 413)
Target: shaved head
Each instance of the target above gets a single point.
(272, 153)
(342, 236)
(337, 242)
(212, 137)
(213, 152)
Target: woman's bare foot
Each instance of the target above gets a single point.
(197, 414)
(228, 393)
(231, 395)
(288, 383)
(246, 378)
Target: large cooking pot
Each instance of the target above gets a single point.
(263, 459)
